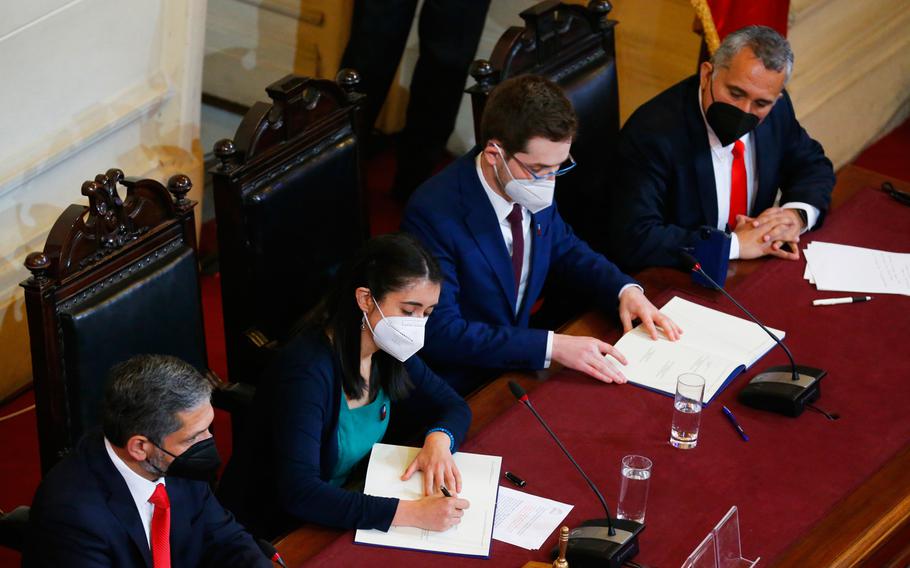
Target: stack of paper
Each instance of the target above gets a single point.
(526, 520)
(844, 268)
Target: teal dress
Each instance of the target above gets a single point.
(358, 430)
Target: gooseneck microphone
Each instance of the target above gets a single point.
(779, 389)
(596, 542)
(271, 552)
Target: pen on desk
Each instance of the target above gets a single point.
(835, 301)
(735, 423)
(445, 491)
(519, 482)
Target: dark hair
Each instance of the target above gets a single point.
(387, 263)
(526, 107)
(144, 394)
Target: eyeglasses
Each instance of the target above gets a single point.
(565, 167)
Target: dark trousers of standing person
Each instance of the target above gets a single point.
(449, 31)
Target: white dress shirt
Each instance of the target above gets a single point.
(722, 160)
(140, 488)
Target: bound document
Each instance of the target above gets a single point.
(479, 481)
(715, 345)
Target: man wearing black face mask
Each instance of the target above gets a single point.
(713, 151)
(136, 494)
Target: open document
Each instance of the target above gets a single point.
(715, 345)
(526, 520)
(479, 483)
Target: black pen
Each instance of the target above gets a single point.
(519, 482)
(445, 491)
(735, 423)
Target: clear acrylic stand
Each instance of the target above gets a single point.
(721, 548)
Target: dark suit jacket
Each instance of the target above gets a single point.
(474, 331)
(279, 474)
(84, 516)
(666, 190)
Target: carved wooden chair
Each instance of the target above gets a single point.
(575, 47)
(115, 279)
(289, 207)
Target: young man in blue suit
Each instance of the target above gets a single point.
(490, 221)
(136, 494)
(713, 151)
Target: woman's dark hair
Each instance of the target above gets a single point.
(386, 263)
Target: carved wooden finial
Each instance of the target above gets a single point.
(38, 264)
(484, 73)
(601, 8)
(348, 79)
(179, 185)
(560, 561)
(225, 151)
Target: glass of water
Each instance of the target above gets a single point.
(690, 388)
(633, 493)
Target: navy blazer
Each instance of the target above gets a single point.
(84, 516)
(278, 476)
(666, 190)
(475, 332)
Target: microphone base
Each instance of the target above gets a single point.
(590, 544)
(775, 390)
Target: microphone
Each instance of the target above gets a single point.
(782, 389)
(597, 542)
(271, 552)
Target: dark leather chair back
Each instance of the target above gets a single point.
(115, 279)
(289, 208)
(575, 47)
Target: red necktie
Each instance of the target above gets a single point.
(737, 185)
(518, 243)
(161, 528)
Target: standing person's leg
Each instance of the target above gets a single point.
(379, 33)
(449, 33)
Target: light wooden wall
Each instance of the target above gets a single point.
(87, 85)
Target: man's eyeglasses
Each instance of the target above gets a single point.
(563, 168)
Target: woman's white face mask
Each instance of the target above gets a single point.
(399, 336)
(533, 194)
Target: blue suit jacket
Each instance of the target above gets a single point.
(666, 189)
(84, 516)
(279, 474)
(475, 331)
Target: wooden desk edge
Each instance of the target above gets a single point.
(869, 527)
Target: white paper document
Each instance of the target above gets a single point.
(714, 345)
(479, 483)
(526, 520)
(845, 268)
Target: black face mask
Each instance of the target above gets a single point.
(199, 462)
(728, 122)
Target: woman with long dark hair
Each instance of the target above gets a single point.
(329, 397)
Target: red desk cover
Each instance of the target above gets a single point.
(784, 480)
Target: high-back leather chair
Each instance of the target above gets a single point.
(116, 278)
(575, 47)
(289, 208)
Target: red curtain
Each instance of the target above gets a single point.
(730, 15)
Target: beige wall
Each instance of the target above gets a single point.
(88, 85)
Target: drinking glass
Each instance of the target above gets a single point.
(633, 493)
(690, 389)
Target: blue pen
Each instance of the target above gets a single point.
(735, 423)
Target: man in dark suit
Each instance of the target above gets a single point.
(712, 151)
(136, 495)
(490, 221)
